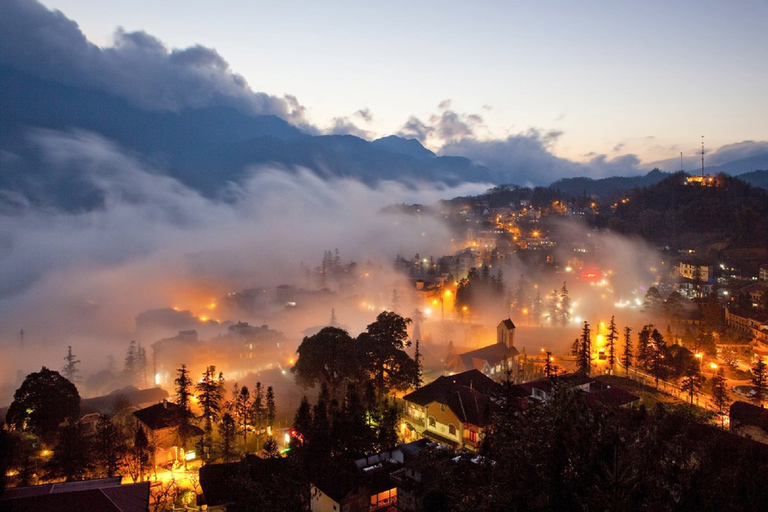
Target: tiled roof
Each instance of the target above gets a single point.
(442, 386)
(105, 494)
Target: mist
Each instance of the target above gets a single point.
(81, 279)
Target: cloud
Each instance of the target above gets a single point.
(138, 67)
(365, 114)
(156, 243)
(737, 151)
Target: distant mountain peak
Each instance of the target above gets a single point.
(408, 147)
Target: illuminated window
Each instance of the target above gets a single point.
(442, 407)
(452, 430)
(473, 436)
(432, 421)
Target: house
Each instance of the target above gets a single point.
(373, 487)
(161, 424)
(222, 483)
(103, 494)
(497, 361)
(452, 410)
(543, 389)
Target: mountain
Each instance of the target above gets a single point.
(204, 148)
(756, 178)
(606, 189)
(680, 214)
(409, 147)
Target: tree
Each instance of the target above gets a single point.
(44, 400)
(653, 300)
(554, 308)
(759, 380)
(70, 369)
(691, 382)
(270, 448)
(613, 336)
(71, 457)
(243, 412)
(131, 370)
(138, 458)
(537, 309)
(720, 395)
(657, 364)
(109, 446)
(383, 356)
(417, 357)
(644, 346)
(271, 408)
(328, 357)
(210, 392)
(227, 432)
(548, 364)
(258, 410)
(584, 356)
(565, 306)
(184, 390)
(626, 355)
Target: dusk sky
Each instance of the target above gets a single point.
(591, 78)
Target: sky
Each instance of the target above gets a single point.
(592, 79)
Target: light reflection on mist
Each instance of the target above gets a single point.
(81, 279)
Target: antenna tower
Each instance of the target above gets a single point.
(702, 156)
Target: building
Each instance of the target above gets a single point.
(161, 424)
(103, 494)
(749, 420)
(452, 410)
(498, 361)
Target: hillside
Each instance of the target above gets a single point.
(677, 214)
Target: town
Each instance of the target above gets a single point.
(570, 353)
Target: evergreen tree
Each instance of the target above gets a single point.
(139, 457)
(720, 395)
(520, 297)
(258, 410)
(691, 382)
(644, 346)
(387, 428)
(548, 364)
(210, 392)
(657, 364)
(271, 408)
(71, 458)
(227, 433)
(565, 306)
(537, 309)
(417, 357)
(243, 412)
(141, 365)
(130, 369)
(613, 336)
(626, 355)
(554, 308)
(184, 390)
(584, 357)
(759, 380)
(269, 449)
(70, 369)
(109, 446)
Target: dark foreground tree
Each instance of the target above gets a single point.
(71, 459)
(109, 446)
(328, 357)
(584, 354)
(44, 400)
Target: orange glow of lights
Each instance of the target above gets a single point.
(713, 366)
(291, 361)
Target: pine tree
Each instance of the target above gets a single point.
(720, 395)
(109, 446)
(210, 392)
(537, 309)
(644, 346)
(691, 382)
(227, 432)
(70, 369)
(258, 410)
(613, 336)
(565, 306)
(548, 364)
(584, 357)
(626, 355)
(130, 368)
(759, 380)
(554, 308)
(243, 411)
(657, 355)
(271, 409)
(183, 400)
(141, 365)
(417, 357)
